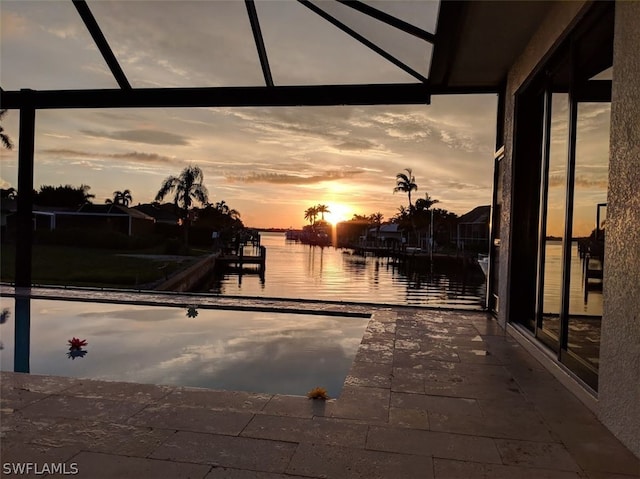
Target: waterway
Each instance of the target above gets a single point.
(297, 271)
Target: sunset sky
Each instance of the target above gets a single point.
(268, 163)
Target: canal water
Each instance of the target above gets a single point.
(297, 271)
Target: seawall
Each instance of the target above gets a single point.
(189, 279)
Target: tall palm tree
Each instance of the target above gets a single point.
(186, 189)
(322, 209)
(4, 138)
(406, 183)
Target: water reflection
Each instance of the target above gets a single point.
(237, 350)
(294, 270)
(22, 332)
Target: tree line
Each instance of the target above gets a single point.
(185, 192)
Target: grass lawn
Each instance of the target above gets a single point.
(73, 266)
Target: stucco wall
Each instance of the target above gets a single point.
(619, 384)
(560, 19)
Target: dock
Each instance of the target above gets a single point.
(240, 259)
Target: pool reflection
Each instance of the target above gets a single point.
(236, 350)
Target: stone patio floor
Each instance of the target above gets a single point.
(431, 394)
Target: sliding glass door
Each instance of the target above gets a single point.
(573, 195)
(573, 98)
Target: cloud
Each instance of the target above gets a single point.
(60, 137)
(152, 137)
(284, 178)
(415, 126)
(133, 156)
(356, 144)
(591, 183)
(581, 181)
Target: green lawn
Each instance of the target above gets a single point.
(73, 266)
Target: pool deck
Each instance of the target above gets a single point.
(431, 394)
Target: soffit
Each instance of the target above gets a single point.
(478, 41)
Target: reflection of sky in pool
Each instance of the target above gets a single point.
(235, 350)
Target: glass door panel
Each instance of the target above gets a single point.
(589, 226)
(551, 287)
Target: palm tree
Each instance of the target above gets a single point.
(4, 138)
(185, 188)
(376, 218)
(310, 214)
(426, 202)
(322, 209)
(406, 183)
(223, 208)
(122, 197)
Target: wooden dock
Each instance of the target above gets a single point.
(242, 259)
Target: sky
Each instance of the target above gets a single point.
(270, 164)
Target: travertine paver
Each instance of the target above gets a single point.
(230, 473)
(409, 418)
(225, 400)
(295, 406)
(316, 431)
(109, 466)
(433, 444)
(227, 451)
(197, 419)
(536, 454)
(87, 435)
(330, 461)
(431, 393)
(370, 404)
(119, 391)
(448, 469)
(80, 407)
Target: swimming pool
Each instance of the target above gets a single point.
(285, 353)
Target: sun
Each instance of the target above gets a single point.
(338, 212)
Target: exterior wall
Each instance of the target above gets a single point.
(618, 404)
(559, 21)
(619, 383)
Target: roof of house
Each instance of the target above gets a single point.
(480, 214)
(113, 209)
(387, 228)
(162, 213)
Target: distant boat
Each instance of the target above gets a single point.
(483, 262)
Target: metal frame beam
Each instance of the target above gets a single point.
(352, 33)
(325, 95)
(101, 42)
(257, 35)
(389, 20)
(24, 226)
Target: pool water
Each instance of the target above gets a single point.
(252, 351)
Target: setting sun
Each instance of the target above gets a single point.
(338, 212)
